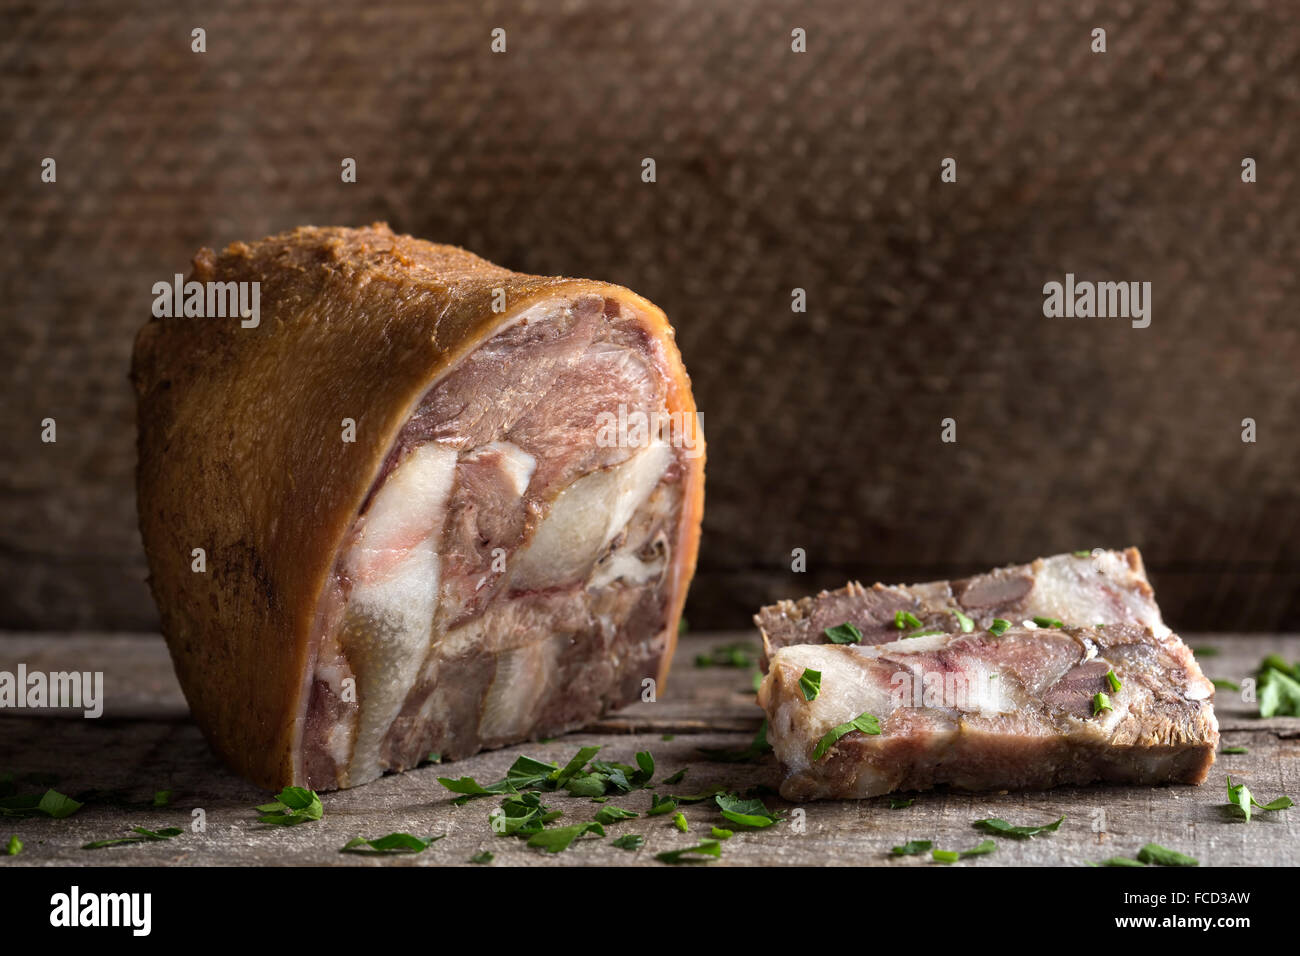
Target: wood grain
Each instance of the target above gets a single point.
(146, 742)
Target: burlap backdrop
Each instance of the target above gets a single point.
(776, 170)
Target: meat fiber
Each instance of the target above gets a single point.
(497, 547)
(969, 691)
(1099, 587)
(979, 711)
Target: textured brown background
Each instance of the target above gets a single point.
(775, 170)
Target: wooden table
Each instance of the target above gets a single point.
(146, 742)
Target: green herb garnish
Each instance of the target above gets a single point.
(1001, 827)
(679, 821)
(967, 625)
(675, 778)
(702, 853)
(660, 805)
(162, 798)
(728, 655)
(557, 840)
(1100, 702)
(752, 814)
(1113, 681)
(51, 803)
(142, 836)
(810, 682)
(929, 633)
(1279, 688)
(1163, 856)
(844, 633)
(865, 723)
(293, 805)
(484, 856)
(1222, 683)
(718, 833)
(901, 803)
(905, 619)
(629, 841)
(911, 848)
(1242, 800)
(1118, 861)
(1047, 622)
(999, 627)
(1234, 750)
(14, 846)
(393, 843)
(610, 813)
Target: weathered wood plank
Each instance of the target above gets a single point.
(146, 742)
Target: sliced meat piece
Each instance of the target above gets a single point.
(1103, 587)
(488, 560)
(978, 711)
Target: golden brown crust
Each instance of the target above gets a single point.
(240, 451)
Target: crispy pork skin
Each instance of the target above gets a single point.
(480, 558)
(1101, 587)
(980, 711)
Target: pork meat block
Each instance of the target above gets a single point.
(1100, 587)
(980, 711)
(444, 506)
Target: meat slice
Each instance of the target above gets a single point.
(1100, 587)
(498, 550)
(980, 711)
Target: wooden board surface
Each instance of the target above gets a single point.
(145, 741)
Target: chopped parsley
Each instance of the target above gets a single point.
(1113, 681)
(718, 833)
(629, 841)
(701, 853)
(865, 723)
(1000, 827)
(393, 843)
(51, 803)
(999, 627)
(610, 813)
(1118, 861)
(1047, 622)
(14, 846)
(905, 619)
(660, 805)
(751, 814)
(911, 848)
(141, 836)
(1100, 702)
(967, 625)
(1279, 687)
(679, 821)
(293, 805)
(1163, 856)
(1242, 800)
(810, 682)
(844, 633)
(558, 839)
(675, 778)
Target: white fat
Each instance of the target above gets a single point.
(622, 566)
(1084, 591)
(585, 517)
(516, 464)
(395, 594)
(518, 686)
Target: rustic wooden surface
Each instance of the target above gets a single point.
(145, 742)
